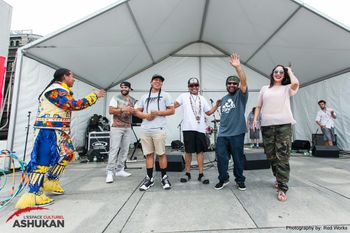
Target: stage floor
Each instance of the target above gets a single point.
(319, 197)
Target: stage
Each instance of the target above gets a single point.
(319, 196)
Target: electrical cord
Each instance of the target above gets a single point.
(24, 179)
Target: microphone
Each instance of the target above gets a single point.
(211, 101)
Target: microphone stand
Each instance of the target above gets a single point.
(215, 130)
(27, 129)
(179, 127)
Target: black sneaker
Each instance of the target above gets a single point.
(220, 185)
(147, 183)
(241, 186)
(203, 179)
(165, 182)
(186, 178)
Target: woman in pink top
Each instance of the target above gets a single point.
(276, 123)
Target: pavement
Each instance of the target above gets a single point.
(318, 201)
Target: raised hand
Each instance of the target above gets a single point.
(234, 60)
(289, 69)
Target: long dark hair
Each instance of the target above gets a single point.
(149, 98)
(286, 79)
(58, 76)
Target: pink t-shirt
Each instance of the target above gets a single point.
(275, 105)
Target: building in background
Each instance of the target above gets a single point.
(17, 39)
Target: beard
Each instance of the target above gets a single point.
(124, 93)
(231, 92)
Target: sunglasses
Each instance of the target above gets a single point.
(232, 83)
(278, 71)
(193, 85)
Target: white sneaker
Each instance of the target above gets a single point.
(109, 178)
(123, 173)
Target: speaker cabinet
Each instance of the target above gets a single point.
(317, 140)
(255, 161)
(325, 151)
(176, 163)
(301, 145)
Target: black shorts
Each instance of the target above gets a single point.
(254, 134)
(195, 142)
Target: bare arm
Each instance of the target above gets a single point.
(176, 104)
(293, 79)
(114, 110)
(140, 114)
(236, 63)
(256, 115)
(120, 111)
(319, 124)
(214, 108)
(170, 110)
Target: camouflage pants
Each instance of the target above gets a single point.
(277, 144)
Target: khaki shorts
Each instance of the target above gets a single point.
(153, 142)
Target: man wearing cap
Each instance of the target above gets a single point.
(121, 108)
(325, 119)
(230, 141)
(193, 127)
(153, 109)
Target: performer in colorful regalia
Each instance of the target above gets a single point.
(53, 148)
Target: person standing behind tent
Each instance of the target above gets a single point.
(121, 107)
(233, 127)
(254, 134)
(325, 119)
(153, 109)
(195, 107)
(276, 123)
(53, 148)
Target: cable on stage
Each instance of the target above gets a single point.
(10, 176)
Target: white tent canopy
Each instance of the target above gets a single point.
(179, 39)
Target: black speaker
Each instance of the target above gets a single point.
(255, 161)
(301, 145)
(317, 139)
(176, 163)
(325, 151)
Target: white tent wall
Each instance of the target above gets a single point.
(335, 91)
(34, 77)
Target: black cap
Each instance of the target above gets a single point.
(193, 81)
(158, 76)
(127, 84)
